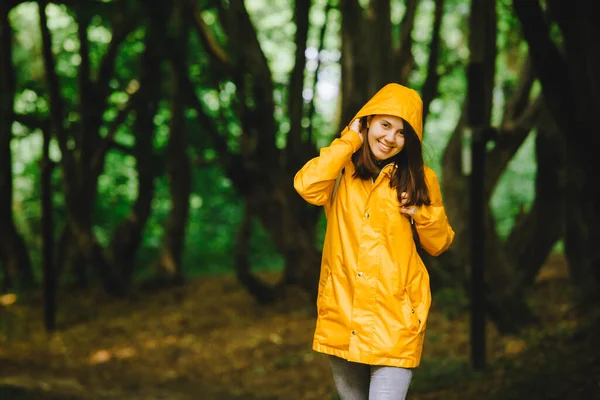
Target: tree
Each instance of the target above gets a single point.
(178, 162)
(568, 70)
(127, 237)
(14, 256)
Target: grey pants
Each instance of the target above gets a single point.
(356, 381)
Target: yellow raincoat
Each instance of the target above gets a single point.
(374, 294)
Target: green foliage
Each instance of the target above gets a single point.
(215, 208)
(515, 191)
(452, 302)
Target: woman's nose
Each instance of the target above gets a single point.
(389, 137)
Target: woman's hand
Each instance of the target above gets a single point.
(410, 210)
(355, 126)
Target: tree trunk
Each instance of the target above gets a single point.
(48, 236)
(127, 238)
(69, 258)
(291, 224)
(533, 236)
(178, 163)
(292, 227)
(571, 90)
(296, 86)
(262, 292)
(483, 51)
(81, 198)
(13, 251)
(430, 86)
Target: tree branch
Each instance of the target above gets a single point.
(86, 142)
(296, 86)
(107, 65)
(56, 102)
(212, 47)
(248, 53)
(430, 87)
(507, 144)
(520, 98)
(109, 141)
(257, 120)
(555, 85)
(533, 236)
(518, 120)
(205, 121)
(404, 59)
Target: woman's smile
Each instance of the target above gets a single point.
(384, 148)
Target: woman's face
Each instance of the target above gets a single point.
(385, 136)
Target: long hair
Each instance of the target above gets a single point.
(409, 173)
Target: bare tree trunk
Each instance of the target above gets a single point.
(430, 86)
(127, 238)
(292, 227)
(48, 236)
(70, 259)
(571, 90)
(296, 87)
(178, 163)
(262, 292)
(13, 251)
(482, 46)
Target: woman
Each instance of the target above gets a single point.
(374, 293)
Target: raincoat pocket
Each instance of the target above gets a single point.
(411, 319)
(324, 299)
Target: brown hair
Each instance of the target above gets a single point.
(409, 173)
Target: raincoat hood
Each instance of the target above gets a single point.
(397, 100)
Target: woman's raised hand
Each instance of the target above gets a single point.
(355, 126)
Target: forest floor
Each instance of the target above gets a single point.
(208, 339)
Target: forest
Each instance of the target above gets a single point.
(152, 245)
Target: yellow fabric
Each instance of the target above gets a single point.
(374, 294)
(398, 100)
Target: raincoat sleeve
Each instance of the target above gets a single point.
(431, 222)
(315, 181)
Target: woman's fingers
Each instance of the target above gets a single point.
(404, 197)
(412, 210)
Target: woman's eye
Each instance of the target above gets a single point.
(385, 125)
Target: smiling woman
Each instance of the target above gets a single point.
(374, 293)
